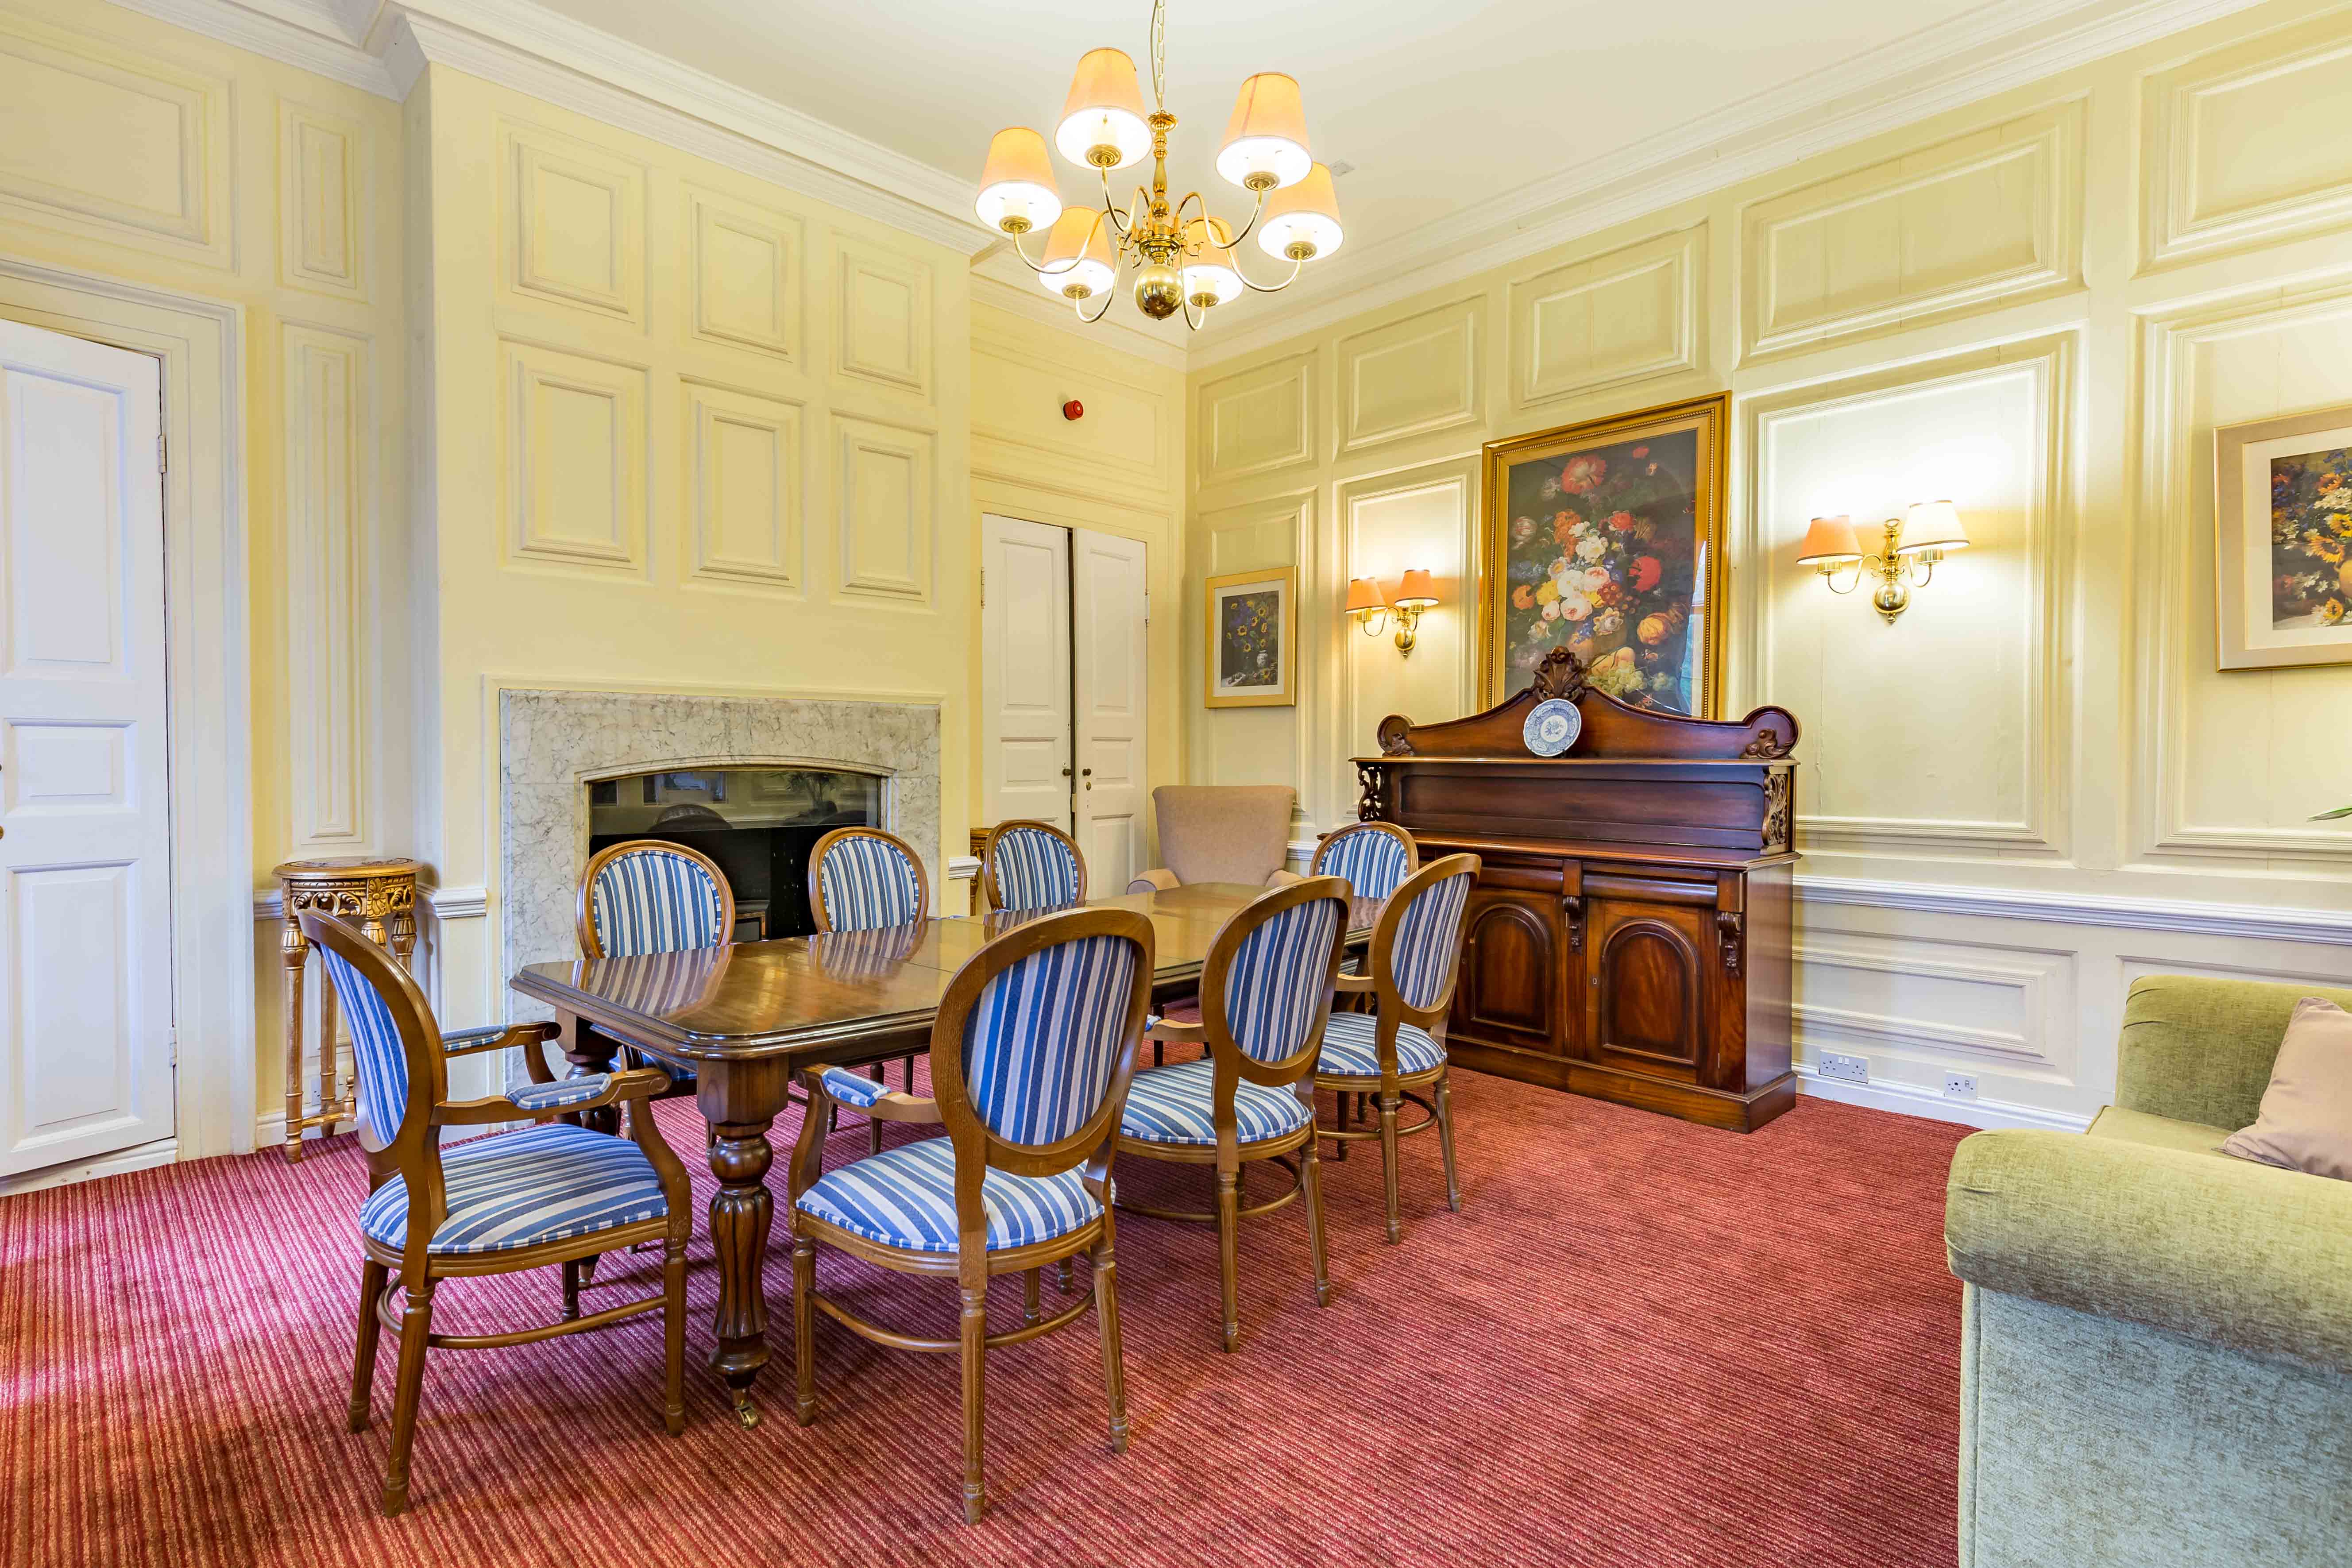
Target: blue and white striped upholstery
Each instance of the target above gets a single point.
(456, 1040)
(851, 1089)
(867, 882)
(1177, 1105)
(1035, 870)
(1040, 1043)
(379, 1064)
(1278, 979)
(905, 1197)
(519, 1189)
(556, 1096)
(1429, 940)
(1372, 859)
(1351, 1047)
(653, 901)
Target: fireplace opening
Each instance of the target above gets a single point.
(758, 823)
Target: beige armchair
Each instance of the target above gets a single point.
(1220, 832)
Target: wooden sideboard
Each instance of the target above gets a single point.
(1629, 934)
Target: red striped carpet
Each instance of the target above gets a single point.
(1641, 1342)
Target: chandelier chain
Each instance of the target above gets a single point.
(1159, 54)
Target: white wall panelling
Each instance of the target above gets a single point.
(1413, 376)
(745, 264)
(1257, 421)
(745, 486)
(573, 224)
(326, 202)
(329, 391)
(888, 515)
(1610, 320)
(575, 461)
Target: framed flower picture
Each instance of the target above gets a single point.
(1606, 538)
(1252, 633)
(2282, 540)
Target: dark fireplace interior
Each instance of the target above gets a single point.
(758, 823)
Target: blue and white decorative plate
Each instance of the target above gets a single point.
(1553, 726)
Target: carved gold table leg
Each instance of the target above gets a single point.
(294, 953)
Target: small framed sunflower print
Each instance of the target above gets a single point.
(2282, 540)
(1252, 628)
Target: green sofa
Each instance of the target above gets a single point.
(2156, 1339)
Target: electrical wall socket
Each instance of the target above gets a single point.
(1959, 1086)
(1853, 1069)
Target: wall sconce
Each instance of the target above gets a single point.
(1372, 607)
(1935, 527)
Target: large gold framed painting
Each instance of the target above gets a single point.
(2282, 540)
(1606, 538)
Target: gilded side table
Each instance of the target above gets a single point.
(380, 895)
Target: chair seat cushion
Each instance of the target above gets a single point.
(519, 1189)
(905, 1198)
(1176, 1105)
(1350, 1048)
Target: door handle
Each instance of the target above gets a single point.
(1066, 773)
(1088, 772)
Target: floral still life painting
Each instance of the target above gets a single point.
(2283, 539)
(1604, 537)
(1249, 636)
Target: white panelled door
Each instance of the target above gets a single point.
(85, 828)
(1024, 675)
(1111, 603)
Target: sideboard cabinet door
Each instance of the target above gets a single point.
(1650, 978)
(1509, 991)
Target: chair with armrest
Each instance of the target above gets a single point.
(550, 1192)
(1400, 1049)
(862, 879)
(1029, 865)
(1374, 858)
(651, 896)
(2175, 1321)
(1220, 832)
(1265, 995)
(1031, 1055)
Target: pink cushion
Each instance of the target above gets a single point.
(2305, 1122)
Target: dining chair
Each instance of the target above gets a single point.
(550, 1192)
(1393, 1052)
(1031, 1055)
(1029, 865)
(1374, 857)
(862, 879)
(648, 895)
(1265, 995)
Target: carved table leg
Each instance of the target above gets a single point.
(590, 1052)
(293, 952)
(740, 1100)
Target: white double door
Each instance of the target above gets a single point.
(85, 814)
(1064, 684)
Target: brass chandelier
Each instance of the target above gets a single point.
(1180, 263)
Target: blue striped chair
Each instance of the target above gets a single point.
(1031, 1055)
(549, 1193)
(862, 879)
(1032, 866)
(1372, 858)
(1266, 994)
(1399, 1050)
(652, 896)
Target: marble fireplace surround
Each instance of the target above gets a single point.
(552, 744)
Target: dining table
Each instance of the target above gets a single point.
(747, 1019)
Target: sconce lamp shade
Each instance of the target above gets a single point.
(1302, 221)
(1417, 591)
(1017, 185)
(1364, 596)
(1829, 541)
(1933, 525)
(1102, 124)
(1266, 141)
(1077, 263)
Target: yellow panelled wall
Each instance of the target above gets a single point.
(2035, 786)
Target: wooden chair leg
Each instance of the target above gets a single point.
(1388, 1103)
(372, 1281)
(1159, 1053)
(1114, 1363)
(1229, 1224)
(674, 1337)
(1339, 1123)
(572, 1289)
(1061, 1280)
(804, 1330)
(416, 1323)
(1030, 1283)
(873, 1125)
(975, 1398)
(1310, 1178)
(588, 1269)
(1445, 1141)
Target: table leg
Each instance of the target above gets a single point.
(589, 1052)
(741, 1101)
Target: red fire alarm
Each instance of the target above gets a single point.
(1073, 409)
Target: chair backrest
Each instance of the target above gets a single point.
(1036, 1040)
(1032, 866)
(1223, 832)
(2200, 1049)
(861, 878)
(650, 896)
(1373, 857)
(397, 1067)
(1265, 986)
(1417, 946)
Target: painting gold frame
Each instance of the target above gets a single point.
(1213, 595)
(1709, 418)
(2246, 631)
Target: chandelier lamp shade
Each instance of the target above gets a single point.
(1176, 255)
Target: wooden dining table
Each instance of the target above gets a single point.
(748, 1018)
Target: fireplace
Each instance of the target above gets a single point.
(758, 823)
